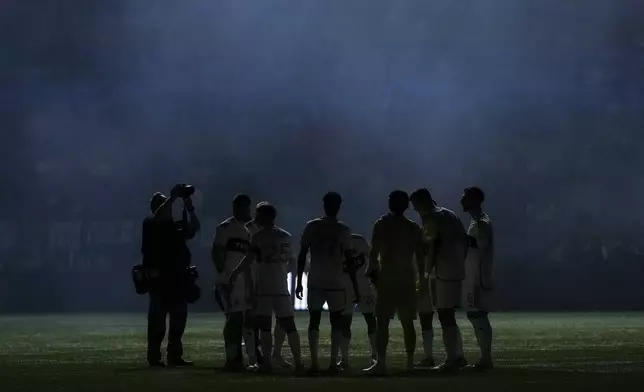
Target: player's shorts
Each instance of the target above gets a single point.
(234, 300)
(279, 305)
(337, 300)
(396, 300)
(477, 299)
(446, 294)
(366, 305)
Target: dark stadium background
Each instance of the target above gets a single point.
(541, 103)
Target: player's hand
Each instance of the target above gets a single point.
(299, 291)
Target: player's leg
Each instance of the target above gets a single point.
(264, 323)
(370, 320)
(249, 327)
(279, 335)
(286, 320)
(315, 304)
(386, 303)
(483, 332)
(407, 314)
(451, 340)
(176, 328)
(233, 335)
(409, 335)
(346, 338)
(337, 301)
(427, 329)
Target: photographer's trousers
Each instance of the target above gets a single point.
(163, 305)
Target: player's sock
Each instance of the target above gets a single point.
(278, 340)
(314, 337)
(460, 354)
(344, 347)
(483, 333)
(374, 349)
(294, 344)
(451, 338)
(249, 339)
(266, 338)
(428, 343)
(382, 340)
(336, 341)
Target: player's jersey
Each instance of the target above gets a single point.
(232, 235)
(274, 255)
(479, 264)
(252, 227)
(360, 250)
(444, 229)
(327, 239)
(397, 239)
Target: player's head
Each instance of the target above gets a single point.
(398, 202)
(422, 200)
(241, 207)
(265, 214)
(332, 202)
(472, 198)
(157, 200)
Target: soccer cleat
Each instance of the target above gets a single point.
(376, 369)
(334, 368)
(280, 362)
(482, 366)
(426, 363)
(344, 366)
(252, 368)
(156, 364)
(451, 366)
(179, 362)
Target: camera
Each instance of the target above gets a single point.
(184, 191)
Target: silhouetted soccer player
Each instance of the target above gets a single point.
(395, 241)
(360, 249)
(230, 245)
(446, 247)
(270, 256)
(279, 335)
(166, 258)
(329, 242)
(479, 275)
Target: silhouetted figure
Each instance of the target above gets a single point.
(166, 258)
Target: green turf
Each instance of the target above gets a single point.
(534, 352)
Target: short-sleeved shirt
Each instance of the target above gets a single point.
(479, 264)
(328, 239)
(360, 250)
(397, 239)
(445, 231)
(274, 254)
(233, 237)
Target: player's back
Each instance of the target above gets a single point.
(479, 264)
(327, 238)
(445, 229)
(398, 239)
(231, 234)
(360, 250)
(274, 255)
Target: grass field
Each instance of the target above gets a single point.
(534, 352)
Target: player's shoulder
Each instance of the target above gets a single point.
(357, 237)
(281, 232)
(313, 222)
(225, 223)
(485, 220)
(383, 219)
(343, 226)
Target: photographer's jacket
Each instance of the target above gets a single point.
(164, 248)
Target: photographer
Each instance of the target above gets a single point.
(166, 259)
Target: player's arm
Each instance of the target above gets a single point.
(218, 251)
(305, 244)
(419, 251)
(244, 265)
(376, 244)
(351, 266)
(432, 244)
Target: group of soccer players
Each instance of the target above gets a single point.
(408, 271)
